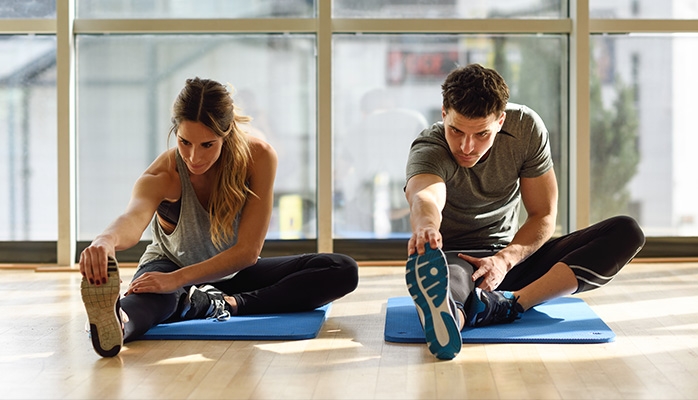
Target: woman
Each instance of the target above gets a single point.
(208, 202)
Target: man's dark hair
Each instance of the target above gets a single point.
(475, 91)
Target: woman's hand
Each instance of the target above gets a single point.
(93, 261)
(492, 270)
(155, 282)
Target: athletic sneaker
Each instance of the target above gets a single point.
(427, 282)
(205, 302)
(489, 308)
(104, 312)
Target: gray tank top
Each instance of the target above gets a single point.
(190, 242)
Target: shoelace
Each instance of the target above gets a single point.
(220, 313)
(505, 311)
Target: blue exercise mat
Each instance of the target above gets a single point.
(562, 320)
(286, 326)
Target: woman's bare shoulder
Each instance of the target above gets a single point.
(165, 163)
(260, 149)
(162, 174)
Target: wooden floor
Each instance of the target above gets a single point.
(652, 307)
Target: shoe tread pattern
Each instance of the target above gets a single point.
(100, 303)
(427, 282)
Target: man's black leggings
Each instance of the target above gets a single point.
(595, 255)
(272, 285)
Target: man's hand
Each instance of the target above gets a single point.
(428, 236)
(492, 270)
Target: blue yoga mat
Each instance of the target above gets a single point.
(562, 320)
(287, 326)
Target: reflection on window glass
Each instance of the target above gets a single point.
(449, 9)
(387, 88)
(643, 132)
(28, 138)
(27, 9)
(646, 9)
(125, 89)
(195, 9)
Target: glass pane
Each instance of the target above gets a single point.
(643, 9)
(387, 88)
(643, 133)
(27, 9)
(28, 191)
(195, 9)
(449, 9)
(126, 86)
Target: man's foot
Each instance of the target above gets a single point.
(205, 302)
(104, 312)
(427, 282)
(489, 308)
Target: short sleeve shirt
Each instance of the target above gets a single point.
(482, 202)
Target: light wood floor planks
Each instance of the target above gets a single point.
(652, 307)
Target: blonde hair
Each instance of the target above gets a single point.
(208, 102)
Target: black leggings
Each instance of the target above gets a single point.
(595, 254)
(272, 285)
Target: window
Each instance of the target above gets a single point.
(125, 90)
(643, 9)
(448, 9)
(28, 138)
(10, 9)
(194, 9)
(387, 88)
(642, 131)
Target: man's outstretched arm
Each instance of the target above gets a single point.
(426, 195)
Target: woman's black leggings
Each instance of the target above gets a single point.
(595, 254)
(272, 285)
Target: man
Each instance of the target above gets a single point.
(466, 177)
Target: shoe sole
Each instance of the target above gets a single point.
(101, 306)
(427, 282)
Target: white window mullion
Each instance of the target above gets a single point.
(65, 98)
(324, 118)
(27, 26)
(579, 116)
(164, 26)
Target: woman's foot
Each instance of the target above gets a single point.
(206, 302)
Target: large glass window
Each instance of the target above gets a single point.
(449, 9)
(125, 89)
(643, 137)
(387, 88)
(195, 9)
(641, 88)
(28, 138)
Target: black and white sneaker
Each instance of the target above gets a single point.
(427, 280)
(205, 302)
(104, 312)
